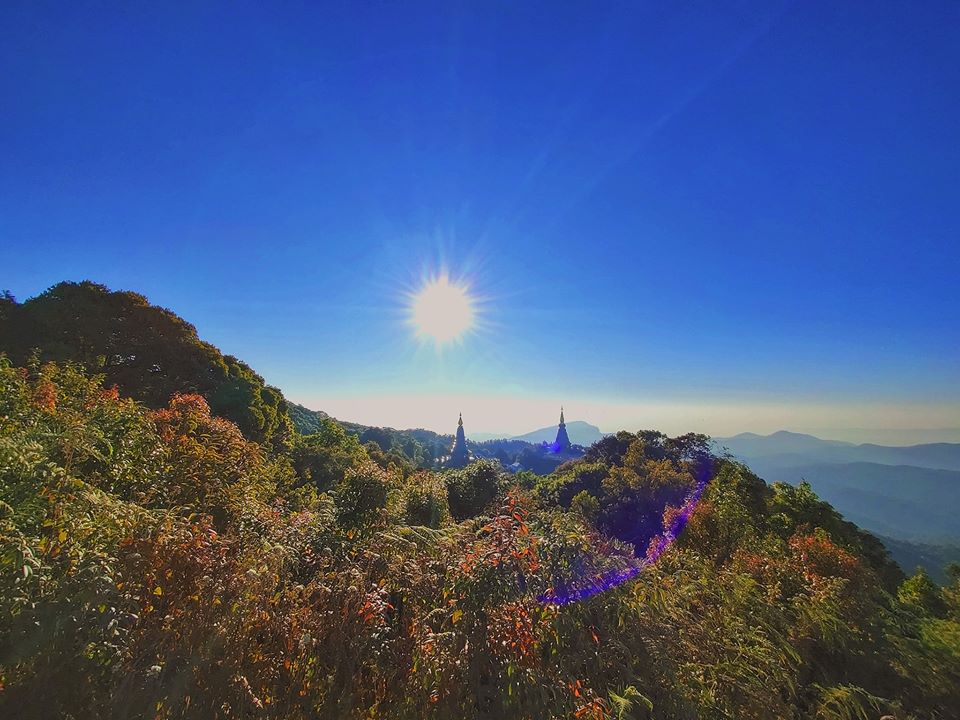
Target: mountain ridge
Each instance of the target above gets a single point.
(788, 447)
(579, 431)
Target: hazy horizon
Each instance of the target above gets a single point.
(507, 416)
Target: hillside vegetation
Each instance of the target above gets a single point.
(908, 495)
(147, 352)
(159, 562)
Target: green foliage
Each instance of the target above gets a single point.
(425, 501)
(632, 479)
(798, 505)
(920, 592)
(408, 450)
(731, 514)
(305, 421)
(324, 457)
(572, 480)
(148, 352)
(25, 470)
(611, 449)
(393, 461)
(586, 505)
(631, 704)
(472, 489)
(156, 563)
(360, 494)
(847, 702)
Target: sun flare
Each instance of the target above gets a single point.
(442, 311)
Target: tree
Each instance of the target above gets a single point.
(611, 449)
(325, 456)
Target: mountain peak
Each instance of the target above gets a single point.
(580, 432)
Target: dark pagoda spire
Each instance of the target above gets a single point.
(562, 443)
(459, 455)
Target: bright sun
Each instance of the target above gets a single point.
(442, 311)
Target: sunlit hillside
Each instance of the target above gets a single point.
(160, 560)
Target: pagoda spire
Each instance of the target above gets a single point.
(562, 443)
(459, 455)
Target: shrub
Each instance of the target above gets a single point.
(361, 494)
(425, 500)
(472, 489)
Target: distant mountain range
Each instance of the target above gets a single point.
(580, 433)
(784, 449)
(908, 495)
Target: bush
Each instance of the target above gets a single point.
(472, 489)
(361, 494)
(425, 501)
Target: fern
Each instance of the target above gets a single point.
(849, 702)
(631, 705)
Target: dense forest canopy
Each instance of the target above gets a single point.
(160, 559)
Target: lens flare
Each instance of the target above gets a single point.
(588, 587)
(441, 311)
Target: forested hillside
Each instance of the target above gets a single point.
(159, 562)
(148, 352)
(304, 419)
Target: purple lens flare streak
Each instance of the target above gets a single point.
(612, 579)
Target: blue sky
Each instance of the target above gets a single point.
(724, 218)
